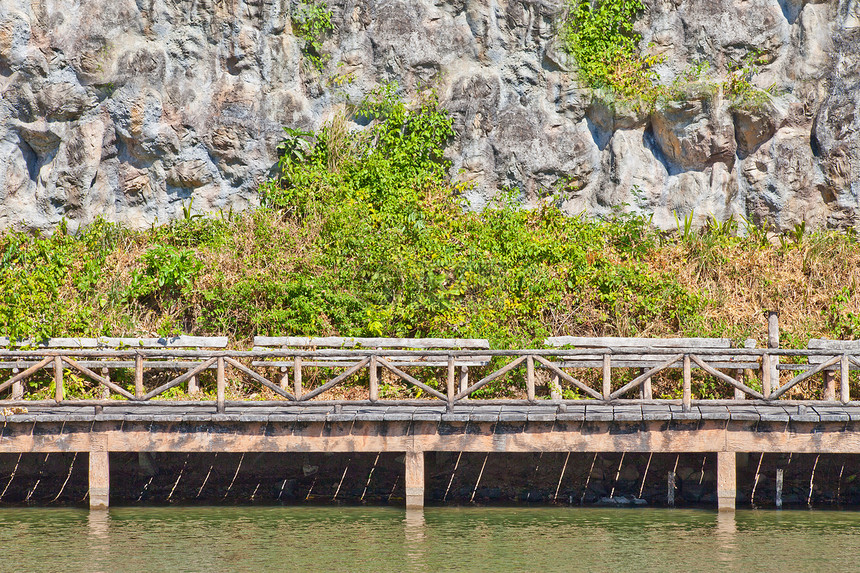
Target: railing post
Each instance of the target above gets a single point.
(530, 378)
(58, 379)
(645, 391)
(555, 387)
(17, 387)
(607, 376)
(452, 389)
(221, 405)
(829, 385)
(373, 374)
(844, 372)
(687, 395)
(773, 342)
(105, 389)
(138, 376)
(739, 376)
(765, 376)
(464, 378)
(297, 377)
(726, 481)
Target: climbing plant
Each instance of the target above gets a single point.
(311, 22)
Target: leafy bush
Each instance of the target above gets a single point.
(311, 21)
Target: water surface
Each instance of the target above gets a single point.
(383, 539)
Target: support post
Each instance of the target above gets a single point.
(58, 379)
(414, 480)
(844, 373)
(221, 405)
(607, 376)
(193, 385)
(373, 376)
(554, 388)
(779, 479)
(464, 378)
(670, 489)
(739, 376)
(645, 391)
(452, 389)
(530, 378)
(765, 376)
(688, 390)
(829, 385)
(773, 342)
(138, 376)
(297, 377)
(285, 378)
(726, 480)
(17, 387)
(105, 389)
(99, 473)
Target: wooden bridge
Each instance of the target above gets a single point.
(572, 400)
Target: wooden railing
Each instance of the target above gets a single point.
(735, 367)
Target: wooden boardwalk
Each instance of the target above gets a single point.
(414, 430)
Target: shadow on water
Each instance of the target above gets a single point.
(437, 539)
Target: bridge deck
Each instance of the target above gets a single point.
(474, 413)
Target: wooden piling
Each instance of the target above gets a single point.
(414, 479)
(726, 480)
(99, 473)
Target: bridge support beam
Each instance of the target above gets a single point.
(99, 474)
(414, 480)
(727, 477)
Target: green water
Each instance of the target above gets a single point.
(439, 539)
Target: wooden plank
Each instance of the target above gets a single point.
(343, 342)
(103, 342)
(620, 342)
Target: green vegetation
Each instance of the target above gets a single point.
(311, 22)
(363, 234)
(599, 35)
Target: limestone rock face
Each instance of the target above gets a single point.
(135, 111)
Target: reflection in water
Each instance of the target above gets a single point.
(416, 535)
(383, 539)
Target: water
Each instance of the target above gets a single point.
(378, 539)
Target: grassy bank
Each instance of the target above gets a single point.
(364, 235)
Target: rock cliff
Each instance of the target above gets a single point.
(137, 110)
